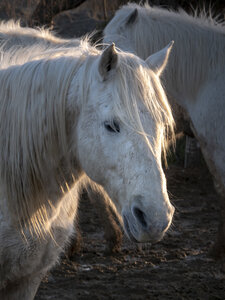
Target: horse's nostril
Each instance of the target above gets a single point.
(140, 216)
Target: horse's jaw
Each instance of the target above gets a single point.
(146, 217)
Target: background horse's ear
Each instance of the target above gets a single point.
(158, 60)
(132, 17)
(108, 61)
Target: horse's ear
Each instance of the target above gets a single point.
(158, 60)
(132, 17)
(108, 61)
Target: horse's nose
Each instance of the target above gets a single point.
(147, 219)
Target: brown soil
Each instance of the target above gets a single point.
(176, 268)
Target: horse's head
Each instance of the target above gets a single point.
(131, 28)
(121, 135)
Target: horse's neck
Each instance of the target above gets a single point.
(197, 55)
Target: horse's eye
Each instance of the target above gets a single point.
(112, 126)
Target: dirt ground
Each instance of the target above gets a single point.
(175, 268)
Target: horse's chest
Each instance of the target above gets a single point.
(21, 256)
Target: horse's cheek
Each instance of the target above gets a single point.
(90, 155)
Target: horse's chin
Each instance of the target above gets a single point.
(128, 231)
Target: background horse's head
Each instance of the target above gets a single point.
(121, 133)
(122, 30)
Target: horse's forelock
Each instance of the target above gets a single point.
(136, 81)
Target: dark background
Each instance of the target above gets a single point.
(73, 18)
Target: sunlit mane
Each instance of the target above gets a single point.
(33, 124)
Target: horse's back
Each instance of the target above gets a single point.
(12, 34)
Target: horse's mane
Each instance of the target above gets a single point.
(35, 85)
(198, 38)
(33, 95)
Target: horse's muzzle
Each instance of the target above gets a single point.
(142, 227)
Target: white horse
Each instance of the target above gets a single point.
(69, 114)
(194, 78)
